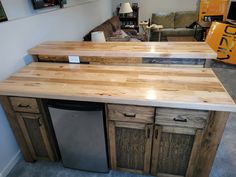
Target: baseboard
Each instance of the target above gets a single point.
(11, 164)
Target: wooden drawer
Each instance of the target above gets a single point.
(24, 104)
(181, 117)
(131, 113)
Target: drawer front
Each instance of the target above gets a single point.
(181, 117)
(24, 104)
(131, 113)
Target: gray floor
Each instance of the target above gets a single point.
(224, 165)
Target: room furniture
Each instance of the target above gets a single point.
(181, 39)
(175, 24)
(147, 29)
(129, 20)
(170, 54)
(160, 121)
(213, 8)
(110, 29)
(204, 26)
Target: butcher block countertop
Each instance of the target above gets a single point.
(198, 50)
(148, 86)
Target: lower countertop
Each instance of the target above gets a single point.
(191, 88)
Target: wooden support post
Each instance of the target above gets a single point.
(210, 142)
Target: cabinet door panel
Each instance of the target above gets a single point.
(34, 133)
(174, 153)
(33, 128)
(171, 152)
(132, 147)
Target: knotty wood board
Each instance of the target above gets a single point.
(148, 86)
(199, 50)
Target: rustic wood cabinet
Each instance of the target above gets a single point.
(31, 127)
(34, 132)
(176, 141)
(174, 150)
(130, 137)
(131, 146)
(168, 147)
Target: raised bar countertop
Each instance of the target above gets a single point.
(198, 50)
(148, 86)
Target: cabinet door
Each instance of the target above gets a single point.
(130, 146)
(35, 135)
(175, 150)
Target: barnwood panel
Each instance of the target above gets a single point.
(148, 86)
(136, 113)
(195, 153)
(137, 61)
(32, 126)
(16, 129)
(112, 145)
(210, 142)
(130, 148)
(93, 60)
(174, 153)
(126, 49)
(181, 117)
(155, 149)
(24, 104)
(133, 148)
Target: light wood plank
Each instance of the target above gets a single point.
(126, 49)
(146, 86)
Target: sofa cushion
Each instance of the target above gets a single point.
(167, 20)
(115, 22)
(177, 32)
(184, 18)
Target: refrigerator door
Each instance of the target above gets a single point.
(81, 138)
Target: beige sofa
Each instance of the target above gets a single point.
(175, 24)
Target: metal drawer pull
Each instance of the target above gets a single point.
(180, 119)
(129, 115)
(23, 106)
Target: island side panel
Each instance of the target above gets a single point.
(210, 142)
(11, 116)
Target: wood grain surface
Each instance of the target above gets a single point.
(148, 86)
(126, 49)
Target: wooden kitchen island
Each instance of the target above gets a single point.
(167, 122)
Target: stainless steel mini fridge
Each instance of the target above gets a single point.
(80, 133)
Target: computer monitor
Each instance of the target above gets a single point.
(232, 12)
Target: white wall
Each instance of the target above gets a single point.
(25, 8)
(147, 7)
(17, 36)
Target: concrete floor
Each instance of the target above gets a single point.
(224, 164)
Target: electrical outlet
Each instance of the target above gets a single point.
(74, 59)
